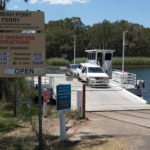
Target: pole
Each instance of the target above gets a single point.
(40, 114)
(62, 126)
(83, 108)
(74, 49)
(123, 50)
(15, 99)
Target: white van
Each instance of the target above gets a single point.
(92, 74)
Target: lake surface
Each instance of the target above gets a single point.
(143, 74)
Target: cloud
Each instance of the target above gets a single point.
(13, 7)
(59, 2)
(65, 2)
(34, 1)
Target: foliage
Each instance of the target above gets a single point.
(81, 60)
(25, 91)
(7, 120)
(57, 62)
(107, 35)
(132, 61)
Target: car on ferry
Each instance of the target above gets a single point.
(71, 70)
(92, 74)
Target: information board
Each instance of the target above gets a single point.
(22, 54)
(63, 98)
(21, 20)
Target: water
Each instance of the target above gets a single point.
(143, 74)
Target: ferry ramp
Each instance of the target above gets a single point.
(109, 98)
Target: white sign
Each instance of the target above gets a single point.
(24, 71)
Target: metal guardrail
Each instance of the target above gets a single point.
(126, 79)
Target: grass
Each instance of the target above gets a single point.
(57, 62)
(80, 60)
(115, 61)
(63, 62)
(131, 61)
(7, 121)
(16, 135)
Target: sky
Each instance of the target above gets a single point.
(90, 11)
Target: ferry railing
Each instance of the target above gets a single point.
(126, 79)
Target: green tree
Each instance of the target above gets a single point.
(60, 36)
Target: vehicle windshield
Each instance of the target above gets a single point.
(74, 66)
(95, 70)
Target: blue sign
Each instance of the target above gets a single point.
(63, 97)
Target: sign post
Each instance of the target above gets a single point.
(40, 114)
(63, 106)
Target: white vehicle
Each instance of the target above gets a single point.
(92, 74)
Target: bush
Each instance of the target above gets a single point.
(80, 60)
(57, 62)
(132, 61)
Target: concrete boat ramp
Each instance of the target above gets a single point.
(109, 98)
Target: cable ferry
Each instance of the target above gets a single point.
(102, 60)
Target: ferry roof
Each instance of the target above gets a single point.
(89, 65)
(100, 50)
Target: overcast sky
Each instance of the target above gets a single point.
(90, 11)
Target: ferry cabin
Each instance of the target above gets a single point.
(102, 58)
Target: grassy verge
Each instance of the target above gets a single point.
(132, 61)
(63, 62)
(80, 60)
(115, 61)
(57, 62)
(16, 135)
(7, 120)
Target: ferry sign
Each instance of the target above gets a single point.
(21, 20)
(22, 54)
(63, 98)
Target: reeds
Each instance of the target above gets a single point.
(131, 61)
(57, 62)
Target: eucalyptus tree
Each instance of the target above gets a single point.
(3, 3)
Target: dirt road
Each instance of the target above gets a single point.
(132, 128)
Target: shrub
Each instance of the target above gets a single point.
(57, 62)
(80, 60)
(132, 61)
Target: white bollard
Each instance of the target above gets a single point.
(44, 104)
(45, 109)
(62, 126)
(79, 102)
